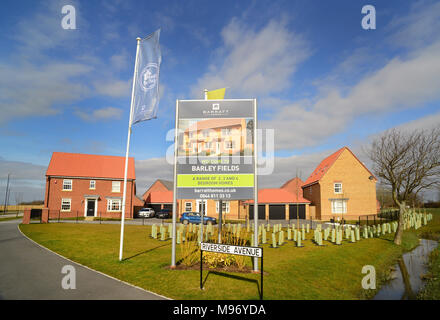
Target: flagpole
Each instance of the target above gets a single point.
(124, 197)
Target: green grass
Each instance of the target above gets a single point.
(312, 272)
(431, 291)
(10, 218)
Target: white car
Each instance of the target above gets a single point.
(146, 212)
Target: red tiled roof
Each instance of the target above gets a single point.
(323, 167)
(278, 196)
(160, 197)
(325, 164)
(137, 202)
(293, 185)
(89, 165)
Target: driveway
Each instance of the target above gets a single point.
(28, 271)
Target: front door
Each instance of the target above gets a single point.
(90, 208)
(201, 204)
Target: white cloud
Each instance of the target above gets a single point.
(149, 170)
(417, 28)
(106, 113)
(252, 62)
(402, 83)
(113, 88)
(27, 90)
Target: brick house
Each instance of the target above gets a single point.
(217, 137)
(87, 185)
(275, 203)
(341, 186)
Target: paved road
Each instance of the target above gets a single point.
(28, 271)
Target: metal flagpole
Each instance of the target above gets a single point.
(173, 240)
(255, 186)
(124, 197)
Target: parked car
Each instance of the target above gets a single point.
(146, 213)
(195, 217)
(164, 214)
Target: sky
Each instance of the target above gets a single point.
(320, 79)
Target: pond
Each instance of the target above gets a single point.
(407, 280)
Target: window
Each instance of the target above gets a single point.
(92, 184)
(116, 186)
(226, 132)
(113, 204)
(339, 206)
(67, 185)
(188, 206)
(208, 145)
(205, 133)
(225, 206)
(338, 187)
(229, 144)
(66, 204)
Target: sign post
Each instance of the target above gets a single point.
(255, 252)
(215, 156)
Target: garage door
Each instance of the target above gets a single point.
(301, 211)
(277, 212)
(261, 212)
(156, 207)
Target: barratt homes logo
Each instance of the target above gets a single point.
(215, 110)
(149, 76)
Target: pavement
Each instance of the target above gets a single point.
(28, 271)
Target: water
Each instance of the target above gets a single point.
(407, 282)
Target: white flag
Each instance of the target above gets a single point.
(146, 91)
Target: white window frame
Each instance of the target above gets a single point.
(226, 206)
(226, 145)
(226, 131)
(65, 201)
(186, 205)
(94, 184)
(341, 209)
(114, 188)
(110, 203)
(339, 184)
(65, 183)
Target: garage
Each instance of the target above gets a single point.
(261, 212)
(155, 207)
(277, 212)
(168, 206)
(297, 209)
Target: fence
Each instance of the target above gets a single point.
(384, 216)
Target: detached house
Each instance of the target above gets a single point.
(341, 186)
(87, 185)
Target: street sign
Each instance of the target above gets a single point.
(231, 249)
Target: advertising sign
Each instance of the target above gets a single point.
(215, 149)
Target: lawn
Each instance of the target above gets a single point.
(311, 272)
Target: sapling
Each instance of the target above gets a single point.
(274, 240)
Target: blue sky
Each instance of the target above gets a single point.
(321, 80)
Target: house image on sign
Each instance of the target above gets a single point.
(218, 137)
(86, 185)
(341, 186)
